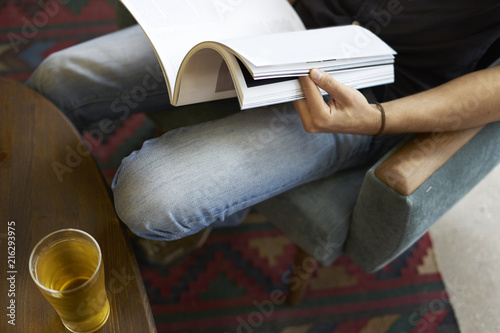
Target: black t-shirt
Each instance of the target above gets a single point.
(436, 40)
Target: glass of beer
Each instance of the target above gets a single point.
(67, 267)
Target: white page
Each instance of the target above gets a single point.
(265, 72)
(291, 90)
(343, 42)
(175, 26)
(207, 78)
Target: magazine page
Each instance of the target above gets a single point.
(175, 26)
(293, 70)
(254, 93)
(206, 78)
(311, 47)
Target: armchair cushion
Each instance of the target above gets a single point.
(316, 216)
(386, 222)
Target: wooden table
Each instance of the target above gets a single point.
(48, 181)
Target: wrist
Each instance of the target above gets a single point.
(381, 110)
(376, 125)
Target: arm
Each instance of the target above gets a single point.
(465, 102)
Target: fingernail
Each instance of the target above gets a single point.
(316, 74)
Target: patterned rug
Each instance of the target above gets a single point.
(237, 281)
(30, 30)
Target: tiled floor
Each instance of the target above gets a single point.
(467, 246)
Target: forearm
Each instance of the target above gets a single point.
(469, 101)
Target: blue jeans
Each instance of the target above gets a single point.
(196, 176)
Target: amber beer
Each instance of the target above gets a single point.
(67, 268)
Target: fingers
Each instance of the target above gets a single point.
(347, 111)
(326, 82)
(315, 114)
(303, 110)
(308, 108)
(313, 95)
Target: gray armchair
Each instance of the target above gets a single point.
(387, 206)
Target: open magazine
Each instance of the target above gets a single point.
(253, 49)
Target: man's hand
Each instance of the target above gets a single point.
(347, 111)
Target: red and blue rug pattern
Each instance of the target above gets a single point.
(237, 281)
(30, 30)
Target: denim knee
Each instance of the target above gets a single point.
(50, 80)
(73, 83)
(147, 216)
(154, 203)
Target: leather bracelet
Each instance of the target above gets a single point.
(382, 111)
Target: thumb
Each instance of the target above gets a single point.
(326, 82)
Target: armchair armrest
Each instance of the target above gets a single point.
(408, 190)
(411, 165)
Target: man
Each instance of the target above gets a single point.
(212, 173)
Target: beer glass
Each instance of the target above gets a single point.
(67, 267)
